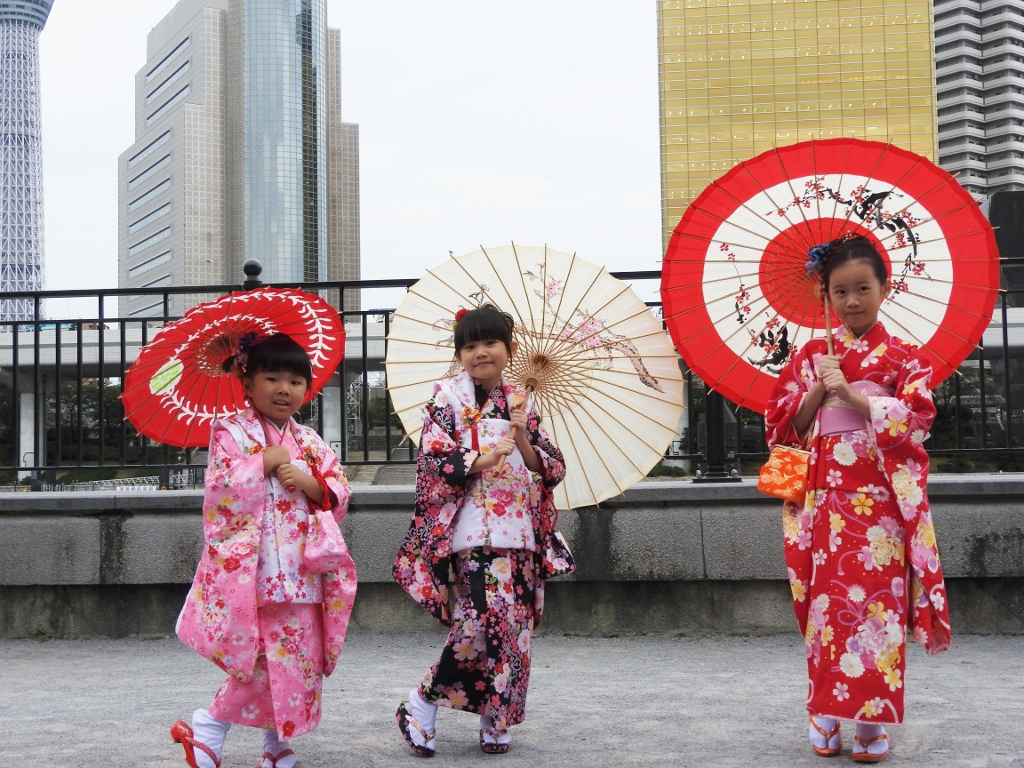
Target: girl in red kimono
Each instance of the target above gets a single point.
(479, 525)
(860, 551)
(255, 609)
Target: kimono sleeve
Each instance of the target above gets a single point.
(218, 620)
(423, 564)
(440, 452)
(899, 425)
(333, 474)
(552, 460)
(340, 584)
(792, 386)
(235, 489)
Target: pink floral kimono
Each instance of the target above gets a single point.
(253, 609)
(861, 552)
(481, 534)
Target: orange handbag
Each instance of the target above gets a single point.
(784, 475)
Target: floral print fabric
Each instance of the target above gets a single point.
(287, 683)
(485, 665)
(496, 509)
(861, 554)
(423, 565)
(245, 517)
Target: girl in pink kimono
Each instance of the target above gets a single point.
(254, 608)
(484, 478)
(862, 559)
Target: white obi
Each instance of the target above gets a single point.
(495, 511)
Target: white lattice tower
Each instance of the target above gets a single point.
(21, 161)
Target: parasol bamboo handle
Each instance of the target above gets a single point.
(530, 386)
(828, 326)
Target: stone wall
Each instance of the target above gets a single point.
(675, 557)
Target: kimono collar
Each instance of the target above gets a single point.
(463, 388)
(873, 336)
(250, 423)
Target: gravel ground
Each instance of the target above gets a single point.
(656, 700)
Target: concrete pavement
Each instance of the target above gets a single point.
(651, 701)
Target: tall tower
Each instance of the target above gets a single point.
(21, 157)
(979, 70)
(738, 77)
(240, 152)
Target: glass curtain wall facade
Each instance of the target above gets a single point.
(21, 157)
(286, 138)
(738, 77)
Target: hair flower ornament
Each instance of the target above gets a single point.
(817, 257)
(458, 316)
(240, 354)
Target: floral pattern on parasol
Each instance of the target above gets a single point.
(605, 378)
(738, 300)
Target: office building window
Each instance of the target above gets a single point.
(155, 192)
(166, 60)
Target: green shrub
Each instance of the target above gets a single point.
(664, 470)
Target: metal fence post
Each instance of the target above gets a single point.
(252, 269)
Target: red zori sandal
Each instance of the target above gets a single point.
(182, 734)
(868, 757)
(273, 759)
(830, 749)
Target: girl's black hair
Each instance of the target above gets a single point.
(279, 354)
(854, 248)
(482, 324)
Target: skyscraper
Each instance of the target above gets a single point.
(979, 63)
(21, 158)
(738, 77)
(240, 151)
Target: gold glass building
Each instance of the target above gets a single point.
(738, 77)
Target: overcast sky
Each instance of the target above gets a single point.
(480, 123)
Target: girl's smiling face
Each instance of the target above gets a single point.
(485, 360)
(277, 395)
(856, 294)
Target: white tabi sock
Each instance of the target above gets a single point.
(867, 733)
(487, 726)
(423, 713)
(273, 746)
(826, 724)
(208, 730)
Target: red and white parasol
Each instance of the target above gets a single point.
(177, 386)
(737, 298)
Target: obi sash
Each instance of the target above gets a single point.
(838, 416)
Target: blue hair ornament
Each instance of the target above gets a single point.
(817, 257)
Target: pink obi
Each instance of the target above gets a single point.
(837, 415)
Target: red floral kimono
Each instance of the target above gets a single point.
(860, 552)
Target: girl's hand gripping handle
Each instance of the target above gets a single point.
(518, 418)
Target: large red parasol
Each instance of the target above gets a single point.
(737, 298)
(177, 386)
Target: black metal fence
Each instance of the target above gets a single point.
(61, 421)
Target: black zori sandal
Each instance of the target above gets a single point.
(406, 723)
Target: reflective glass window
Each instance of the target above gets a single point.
(150, 241)
(167, 60)
(159, 165)
(152, 263)
(147, 150)
(171, 80)
(155, 192)
(165, 108)
(149, 218)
